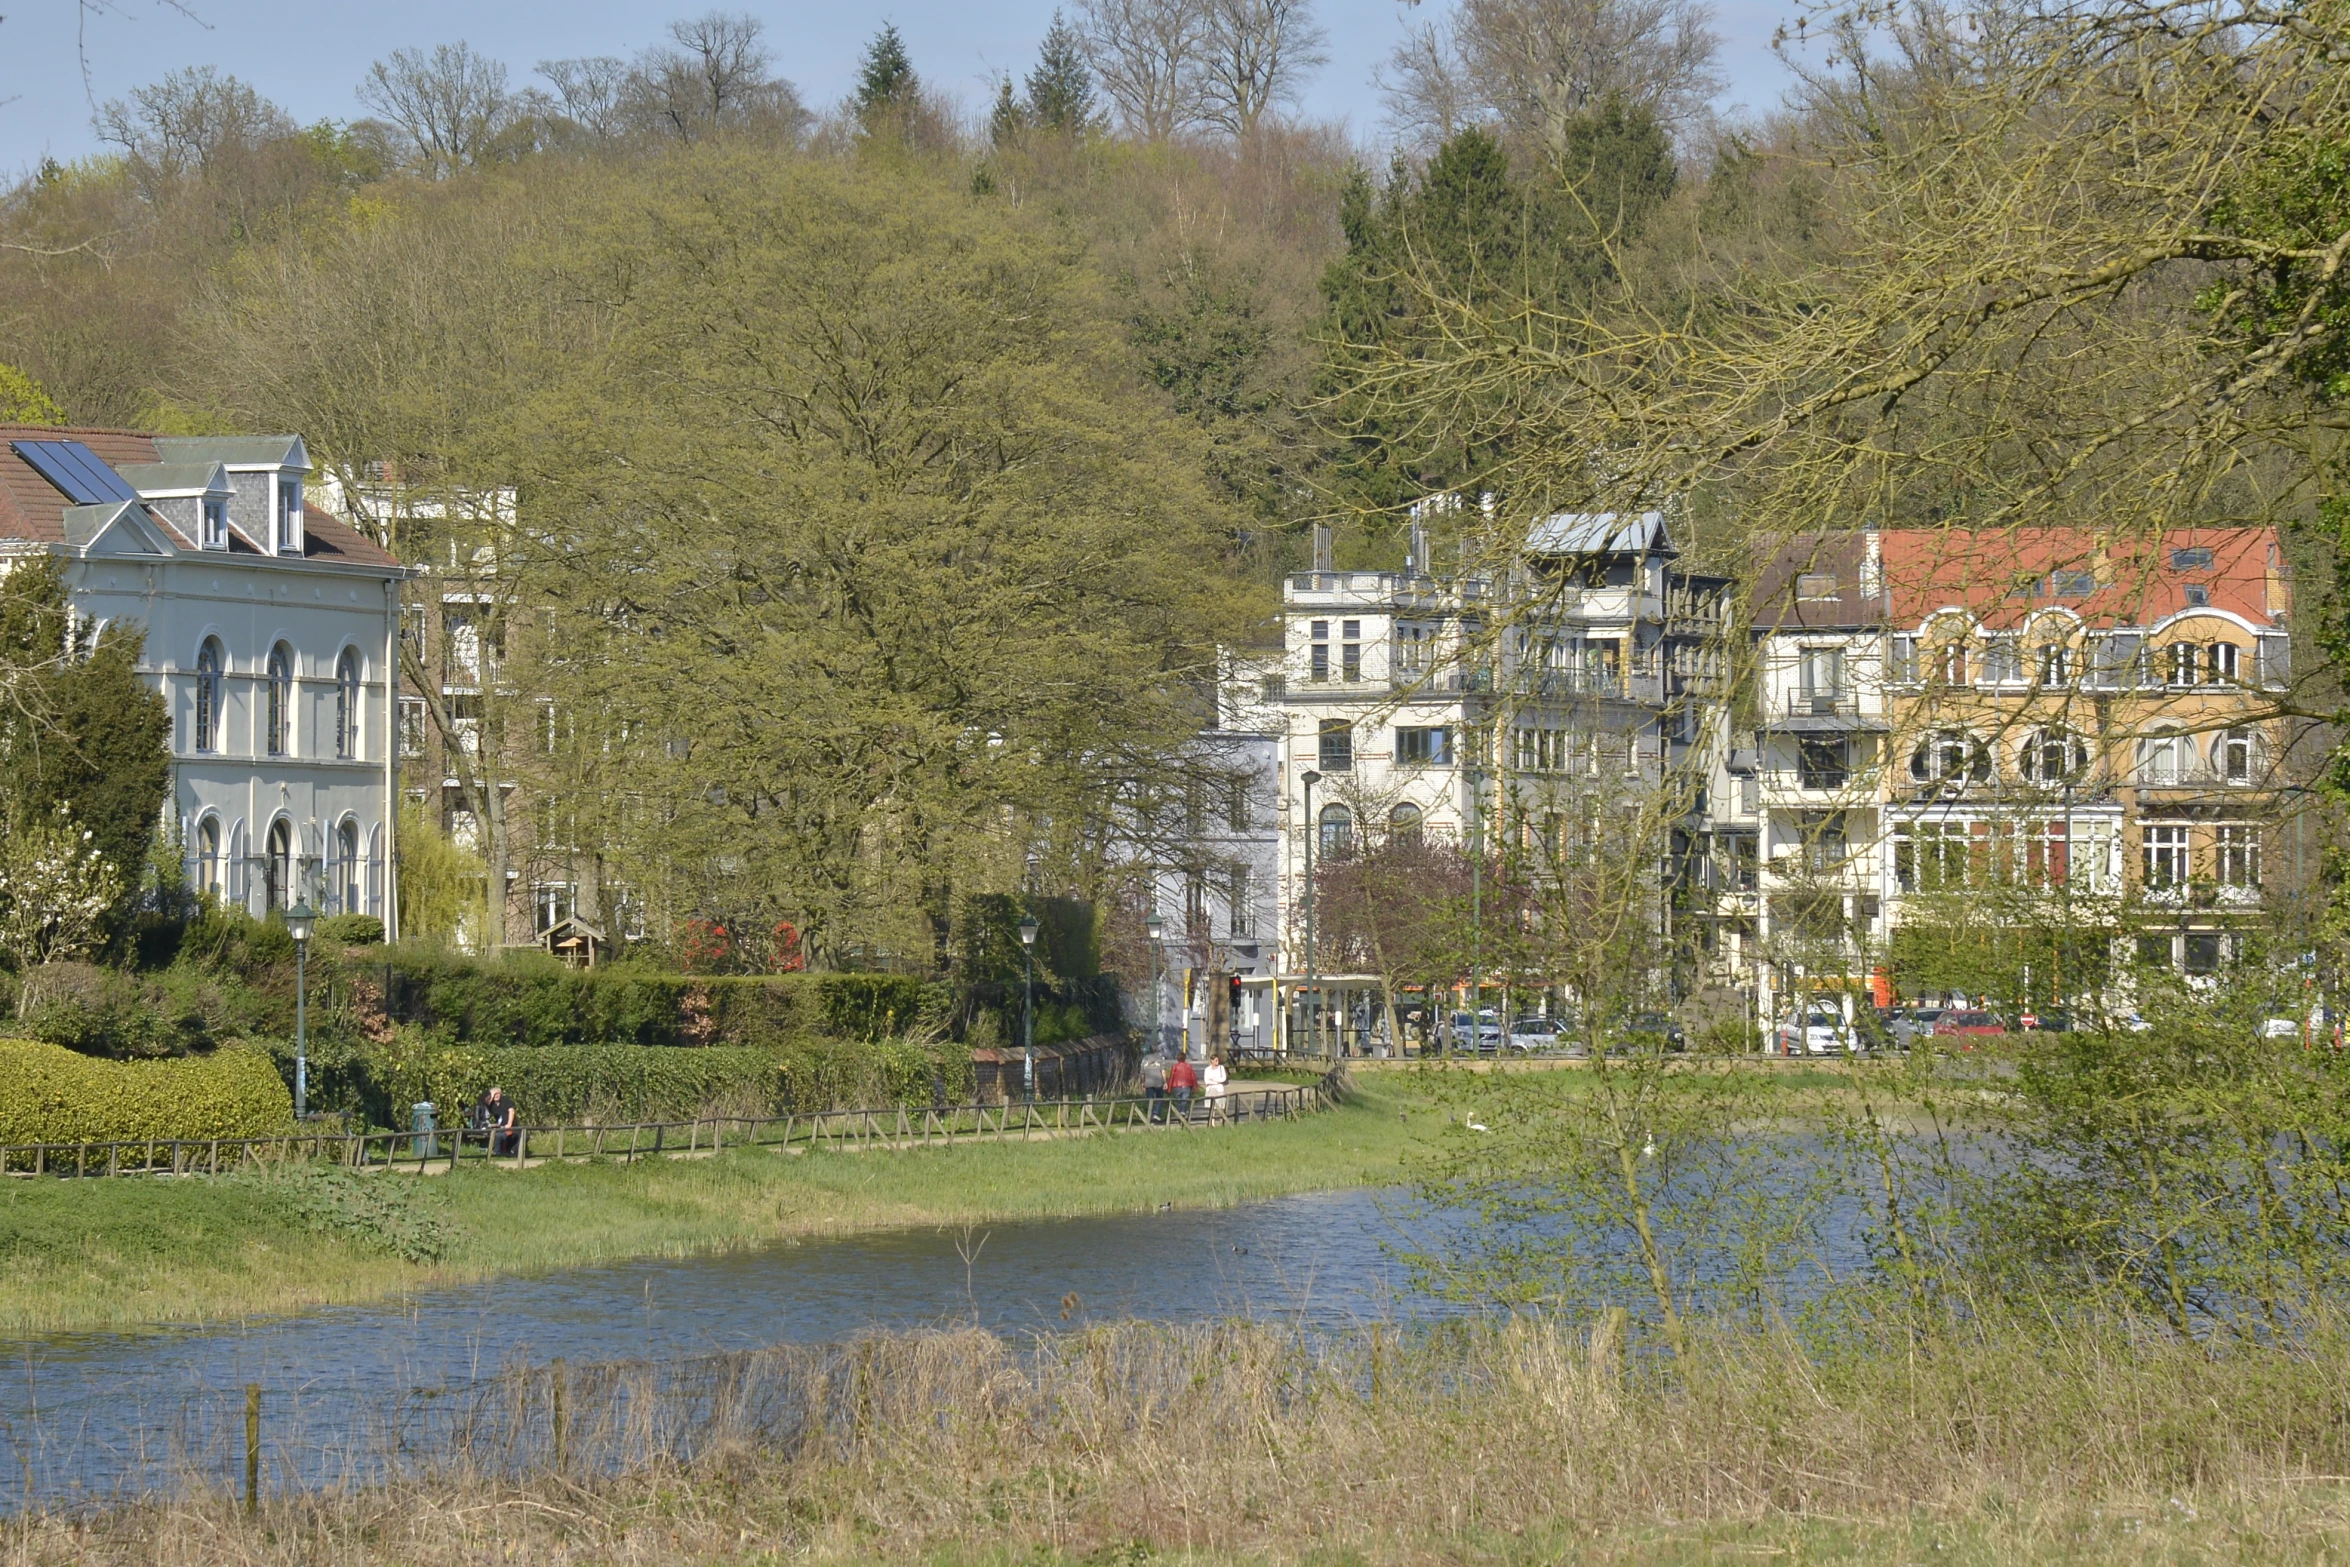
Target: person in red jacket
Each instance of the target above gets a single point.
(1181, 1080)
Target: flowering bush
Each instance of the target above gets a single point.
(56, 890)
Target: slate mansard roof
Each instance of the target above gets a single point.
(34, 510)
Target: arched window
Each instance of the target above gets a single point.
(1403, 824)
(347, 704)
(2162, 757)
(344, 894)
(1338, 831)
(208, 696)
(2055, 756)
(2182, 663)
(1950, 756)
(208, 856)
(281, 701)
(277, 866)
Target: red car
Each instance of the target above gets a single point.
(1969, 1023)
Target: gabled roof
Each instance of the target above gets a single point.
(33, 510)
(1601, 533)
(174, 478)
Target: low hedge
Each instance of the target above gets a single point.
(553, 1084)
(49, 1094)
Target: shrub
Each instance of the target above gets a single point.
(352, 930)
(107, 1012)
(51, 1094)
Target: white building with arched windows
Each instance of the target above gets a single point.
(269, 627)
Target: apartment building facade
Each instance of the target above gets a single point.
(269, 625)
(1484, 709)
(1951, 723)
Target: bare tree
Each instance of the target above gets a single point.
(590, 93)
(716, 78)
(452, 104)
(1534, 65)
(181, 125)
(1148, 56)
(1256, 58)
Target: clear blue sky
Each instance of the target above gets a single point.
(308, 54)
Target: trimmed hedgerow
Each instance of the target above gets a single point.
(49, 1094)
(552, 1084)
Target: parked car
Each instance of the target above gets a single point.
(1969, 1024)
(1481, 1033)
(1819, 1032)
(1528, 1034)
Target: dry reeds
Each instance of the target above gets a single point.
(1234, 1439)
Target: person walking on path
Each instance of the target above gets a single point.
(1154, 1084)
(1215, 1078)
(1181, 1080)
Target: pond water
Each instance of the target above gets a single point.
(94, 1415)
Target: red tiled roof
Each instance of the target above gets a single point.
(2004, 577)
(33, 508)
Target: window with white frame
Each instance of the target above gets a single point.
(348, 727)
(208, 696)
(1350, 650)
(1950, 756)
(2237, 754)
(2237, 850)
(2162, 757)
(2056, 665)
(2183, 662)
(215, 525)
(289, 515)
(209, 859)
(2220, 663)
(1423, 745)
(1237, 920)
(1337, 835)
(411, 726)
(1335, 745)
(1903, 663)
(552, 903)
(2002, 662)
(2163, 854)
(279, 713)
(1318, 665)
(2054, 756)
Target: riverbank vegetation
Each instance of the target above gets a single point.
(123, 1253)
(1991, 1439)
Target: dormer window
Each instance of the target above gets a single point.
(289, 515)
(215, 523)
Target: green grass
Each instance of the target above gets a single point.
(111, 1254)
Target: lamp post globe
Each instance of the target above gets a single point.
(299, 920)
(1028, 1007)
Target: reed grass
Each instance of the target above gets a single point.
(1498, 1443)
(114, 1254)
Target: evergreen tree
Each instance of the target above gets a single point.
(1470, 229)
(81, 730)
(885, 78)
(1060, 89)
(1008, 118)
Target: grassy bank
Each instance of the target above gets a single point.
(1989, 1443)
(105, 1254)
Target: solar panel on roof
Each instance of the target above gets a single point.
(75, 469)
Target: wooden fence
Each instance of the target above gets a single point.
(898, 1126)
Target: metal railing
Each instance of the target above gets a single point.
(896, 1126)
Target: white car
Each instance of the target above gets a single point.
(1820, 1033)
(1532, 1033)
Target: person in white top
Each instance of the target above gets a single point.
(1214, 1079)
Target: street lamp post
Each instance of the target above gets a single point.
(299, 919)
(1151, 927)
(1313, 958)
(1028, 1007)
